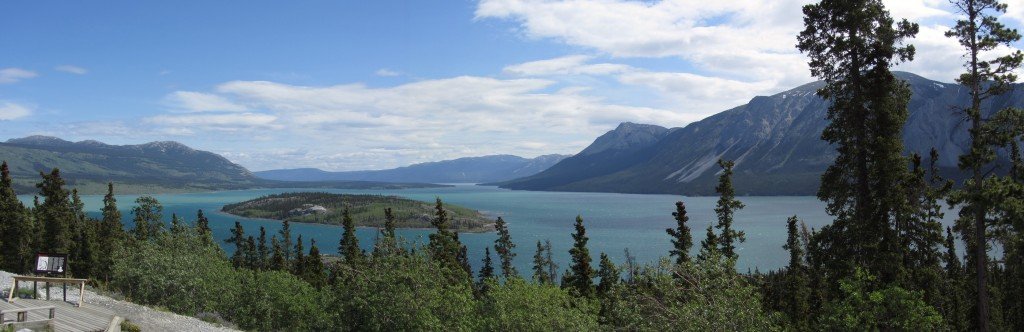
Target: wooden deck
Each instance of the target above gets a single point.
(67, 317)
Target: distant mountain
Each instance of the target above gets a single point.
(614, 151)
(775, 141)
(144, 168)
(463, 170)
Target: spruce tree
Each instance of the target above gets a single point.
(681, 238)
(251, 256)
(954, 309)
(277, 261)
(580, 276)
(979, 32)
(109, 233)
(314, 267)
(348, 246)
(148, 218)
(55, 214)
(286, 240)
(852, 44)
(203, 225)
(549, 261)
(238, 239)
(504, 247)
(709, 246)
(609, 275)
(540, 272)
(486, 272)
(444, 244)
(16, 231)
(796, 303)
(726, 208)
(388, 243)
(262, 251)
(299, 263)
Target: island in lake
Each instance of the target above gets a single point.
(366, 210)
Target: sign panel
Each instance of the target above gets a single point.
(51, 263)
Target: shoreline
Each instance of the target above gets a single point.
(486, 228)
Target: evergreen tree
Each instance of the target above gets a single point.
(681, 238)
(444, 244)
(388, 244)
(348, 246)
(238, 239)
(262, 251)
(389, 223)
(796, 303)
(549, 260)
(920, 229)
(55, 214)
(286, 240)
(203, 225)
(540, 266)
(110, 233)
(299, 263)
(486, 272)
(954, 309)
(609, 275)
(504, 247)
(277, 261)
(852, 44)
(580, 277)
(979, 31)
(726, 208)
(314, 270)
(16, 231)
(709, 246)
(148, 215)
(251, 256)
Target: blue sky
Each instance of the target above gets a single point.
(345, 85)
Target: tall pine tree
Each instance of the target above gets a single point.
(55, 214)
(580, 276)
(726, 208)
(979, 31)
(682, 240)
(852, 44)
(16, 231)
(796, 303)
(348, 245)
(504, 247)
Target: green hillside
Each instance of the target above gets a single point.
(156, 167)
(366, 210)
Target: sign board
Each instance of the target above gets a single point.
(51, 263)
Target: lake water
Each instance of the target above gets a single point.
(614, 221)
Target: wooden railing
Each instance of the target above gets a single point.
(79, 282)
(22, 314)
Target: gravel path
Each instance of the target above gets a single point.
(146, 318)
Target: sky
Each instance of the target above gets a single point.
(352, 85)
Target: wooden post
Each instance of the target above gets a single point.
(52, 309)
(10, 296)
(35, 291)
(81, 294)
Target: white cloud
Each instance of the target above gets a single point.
(744, 37)
(13, 75)
(702, 95)
(72, 69)
(12, 111)
(413, 122)
(183, 124)
(201, 102)
(384, 72)
(567, 65)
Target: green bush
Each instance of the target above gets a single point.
(519, 305)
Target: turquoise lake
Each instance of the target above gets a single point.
(614, 222)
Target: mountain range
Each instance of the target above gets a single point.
(775, 141)
(463, 170)
(156, 167)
